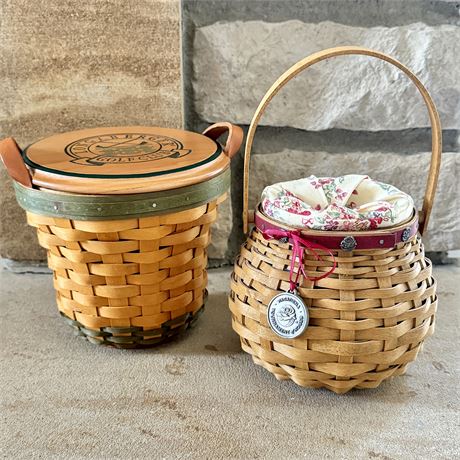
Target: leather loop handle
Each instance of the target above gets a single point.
(436, 144)
(234, 139)
(14, 164)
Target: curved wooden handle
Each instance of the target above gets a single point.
(234, 139)
(436, 144)
(14, 163)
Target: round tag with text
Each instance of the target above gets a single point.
(287, 315)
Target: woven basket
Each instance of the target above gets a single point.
(132, 282)
(129, 269)
(368, 319)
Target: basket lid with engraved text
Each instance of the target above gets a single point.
(134, 159)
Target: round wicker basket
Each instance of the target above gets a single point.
(129, 269)
(369, 317)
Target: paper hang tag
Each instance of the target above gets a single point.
(287, 315)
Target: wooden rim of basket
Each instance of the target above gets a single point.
(113, 207)
(436, 144)
(379, 238)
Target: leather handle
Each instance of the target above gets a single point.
(14, 163)
(234, 139)
(436, 143)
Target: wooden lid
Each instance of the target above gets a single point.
(121, 160)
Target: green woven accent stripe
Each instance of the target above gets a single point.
(112, 207)
(135, 337)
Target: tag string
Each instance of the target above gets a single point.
(299, 246)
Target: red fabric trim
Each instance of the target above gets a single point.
(382, 240)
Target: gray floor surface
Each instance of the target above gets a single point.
(200, 397)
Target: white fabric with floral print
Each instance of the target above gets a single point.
(351, 202)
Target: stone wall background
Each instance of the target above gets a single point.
(348, 114)
(68, 65)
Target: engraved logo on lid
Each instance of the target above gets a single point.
(124, 148)
(287, 315)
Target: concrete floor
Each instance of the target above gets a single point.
(200, 397)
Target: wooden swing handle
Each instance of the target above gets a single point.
(436, 145)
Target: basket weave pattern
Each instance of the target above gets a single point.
(132, 282)
(367, 320)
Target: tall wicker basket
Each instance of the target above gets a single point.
(369, 318)
(129, 268)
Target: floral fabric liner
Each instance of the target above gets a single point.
(351, 203)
